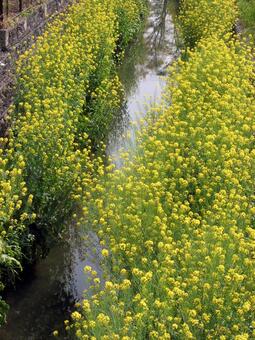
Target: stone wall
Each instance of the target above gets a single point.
(15, 40)
(28, 21)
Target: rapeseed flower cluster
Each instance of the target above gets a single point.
(176, 222)
(66, 97)
(129, 19)
(54, 86)
(202, 18)
(14, 214)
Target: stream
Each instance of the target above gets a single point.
(44, 299)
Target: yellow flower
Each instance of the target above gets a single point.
(55, 333)
(105, 252)
(76, 315)
(103, 319)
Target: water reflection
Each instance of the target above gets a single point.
(45, 299)
(142, 74)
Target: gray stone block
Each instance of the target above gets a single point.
(4, 39)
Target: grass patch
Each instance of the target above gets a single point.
(247, 14)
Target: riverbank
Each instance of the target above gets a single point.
(175, 221)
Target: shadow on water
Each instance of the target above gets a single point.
(42, 301)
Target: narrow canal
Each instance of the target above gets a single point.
(45, 298)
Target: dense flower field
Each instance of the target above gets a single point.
(176, 222)
(177, 218)
(67, 93)
(203, 18)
